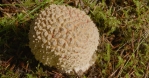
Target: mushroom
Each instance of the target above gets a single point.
(64, 37)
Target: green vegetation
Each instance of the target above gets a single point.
(123, 49)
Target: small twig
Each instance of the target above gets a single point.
(147, 72)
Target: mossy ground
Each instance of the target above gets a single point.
(123, 49)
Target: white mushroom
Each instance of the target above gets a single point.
(64, 37)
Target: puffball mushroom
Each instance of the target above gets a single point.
(65, 38)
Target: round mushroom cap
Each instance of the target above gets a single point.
(65, 38)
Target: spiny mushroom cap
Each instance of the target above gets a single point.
(64, 37)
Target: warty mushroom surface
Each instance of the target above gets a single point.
(64, 37)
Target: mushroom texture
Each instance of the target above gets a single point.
(65, 38)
